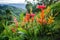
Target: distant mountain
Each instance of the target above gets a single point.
(15, 5)
(15, 9)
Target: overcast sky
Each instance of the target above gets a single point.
(14, 1)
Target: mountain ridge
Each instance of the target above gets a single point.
(15, 5)
(14, 10)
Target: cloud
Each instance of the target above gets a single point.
(14, 1)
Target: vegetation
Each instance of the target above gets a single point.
(34, 25)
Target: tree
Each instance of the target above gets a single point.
(28, 6)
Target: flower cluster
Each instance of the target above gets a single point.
(28, 17)
(50, 20)
(13, 30)
(42, 20)
(16, 22)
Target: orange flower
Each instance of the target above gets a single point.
(50, 20)
(27, 17)
(41, 17)
(16, 22)
(32, 18)
(27, 14)
(37, 19)
(41, 21)
(44, 21)
(13, 30)
(42, 14)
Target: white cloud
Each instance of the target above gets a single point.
(14, 1)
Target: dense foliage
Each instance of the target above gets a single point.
(42, 25)
(6, 15)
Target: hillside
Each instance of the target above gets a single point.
(13, 9)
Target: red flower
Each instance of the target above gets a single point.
(41, 6)
(42, 20)
(29, 16)
(32, 15)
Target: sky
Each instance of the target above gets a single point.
(14, 1)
